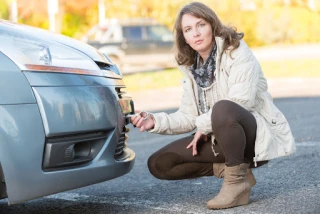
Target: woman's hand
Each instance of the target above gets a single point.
(142, 123)
(197, 136)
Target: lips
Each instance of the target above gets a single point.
(198, 42)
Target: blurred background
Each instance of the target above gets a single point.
(284, 34)
(264, 22)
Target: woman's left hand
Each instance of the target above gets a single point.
(197, 136)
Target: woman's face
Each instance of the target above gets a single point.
(198, 34)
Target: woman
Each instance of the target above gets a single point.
(225, 98)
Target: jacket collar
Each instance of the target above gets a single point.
(219, 42)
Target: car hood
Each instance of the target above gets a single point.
(24, 31)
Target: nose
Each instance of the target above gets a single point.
(196, 32)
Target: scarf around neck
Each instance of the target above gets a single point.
(204, 73)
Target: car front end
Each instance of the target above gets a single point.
(62, 114)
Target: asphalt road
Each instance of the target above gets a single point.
(285, 185)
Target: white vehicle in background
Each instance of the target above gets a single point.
(133, 43)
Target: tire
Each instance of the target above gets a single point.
(3, 189)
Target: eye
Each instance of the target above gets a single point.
(202, 24)
(187, 30)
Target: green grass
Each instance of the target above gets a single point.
(291, 68)
(153, 80)
(272, 69)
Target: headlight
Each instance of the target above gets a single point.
(114, 66)
(34, 55)
(26, 52)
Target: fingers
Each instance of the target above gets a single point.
(193, 144)
(194, 150)
(142, 120)
(190, 144)
(147, 124)
(142, 129)
(135, 120)
(143, 114)
(139, 123)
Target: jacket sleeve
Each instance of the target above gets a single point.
(203, 123)
(245, 78)
(181, 121)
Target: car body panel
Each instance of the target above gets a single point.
(67, 110)
(13, 84)
(28, 181)
(40, 109)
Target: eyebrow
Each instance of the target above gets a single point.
(196, 24)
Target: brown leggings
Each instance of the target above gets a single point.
(235, 131)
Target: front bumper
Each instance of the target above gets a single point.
(22, 156)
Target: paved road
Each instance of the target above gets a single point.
(285, 185)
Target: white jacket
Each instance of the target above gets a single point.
(241, 80)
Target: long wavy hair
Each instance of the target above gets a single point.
(184, 53)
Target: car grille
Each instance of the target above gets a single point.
(121, 145)
(127, 107)
(120, 91)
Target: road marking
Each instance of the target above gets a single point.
(75, 197)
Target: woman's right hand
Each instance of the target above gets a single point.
(139, 121)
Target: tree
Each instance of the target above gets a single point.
(4, 9)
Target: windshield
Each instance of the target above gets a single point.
(159, 33)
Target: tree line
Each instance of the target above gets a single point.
(263, 22)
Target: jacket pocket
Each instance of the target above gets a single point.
(277, 123)
(281, 135)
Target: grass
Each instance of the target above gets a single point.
(291, 68)
(153, 80)
(272, 69)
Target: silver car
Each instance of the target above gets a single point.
(63, 108)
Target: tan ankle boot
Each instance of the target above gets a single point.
(235, 190)
(218, 171)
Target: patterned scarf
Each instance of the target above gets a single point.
(204, 74)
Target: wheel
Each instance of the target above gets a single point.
(3, 189)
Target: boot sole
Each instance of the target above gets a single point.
(243, 199)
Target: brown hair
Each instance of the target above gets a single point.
(184, 53)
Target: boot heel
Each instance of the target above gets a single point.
(243, 199)
(235, 190)
(251, 178)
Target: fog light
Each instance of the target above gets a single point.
(69, 154)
